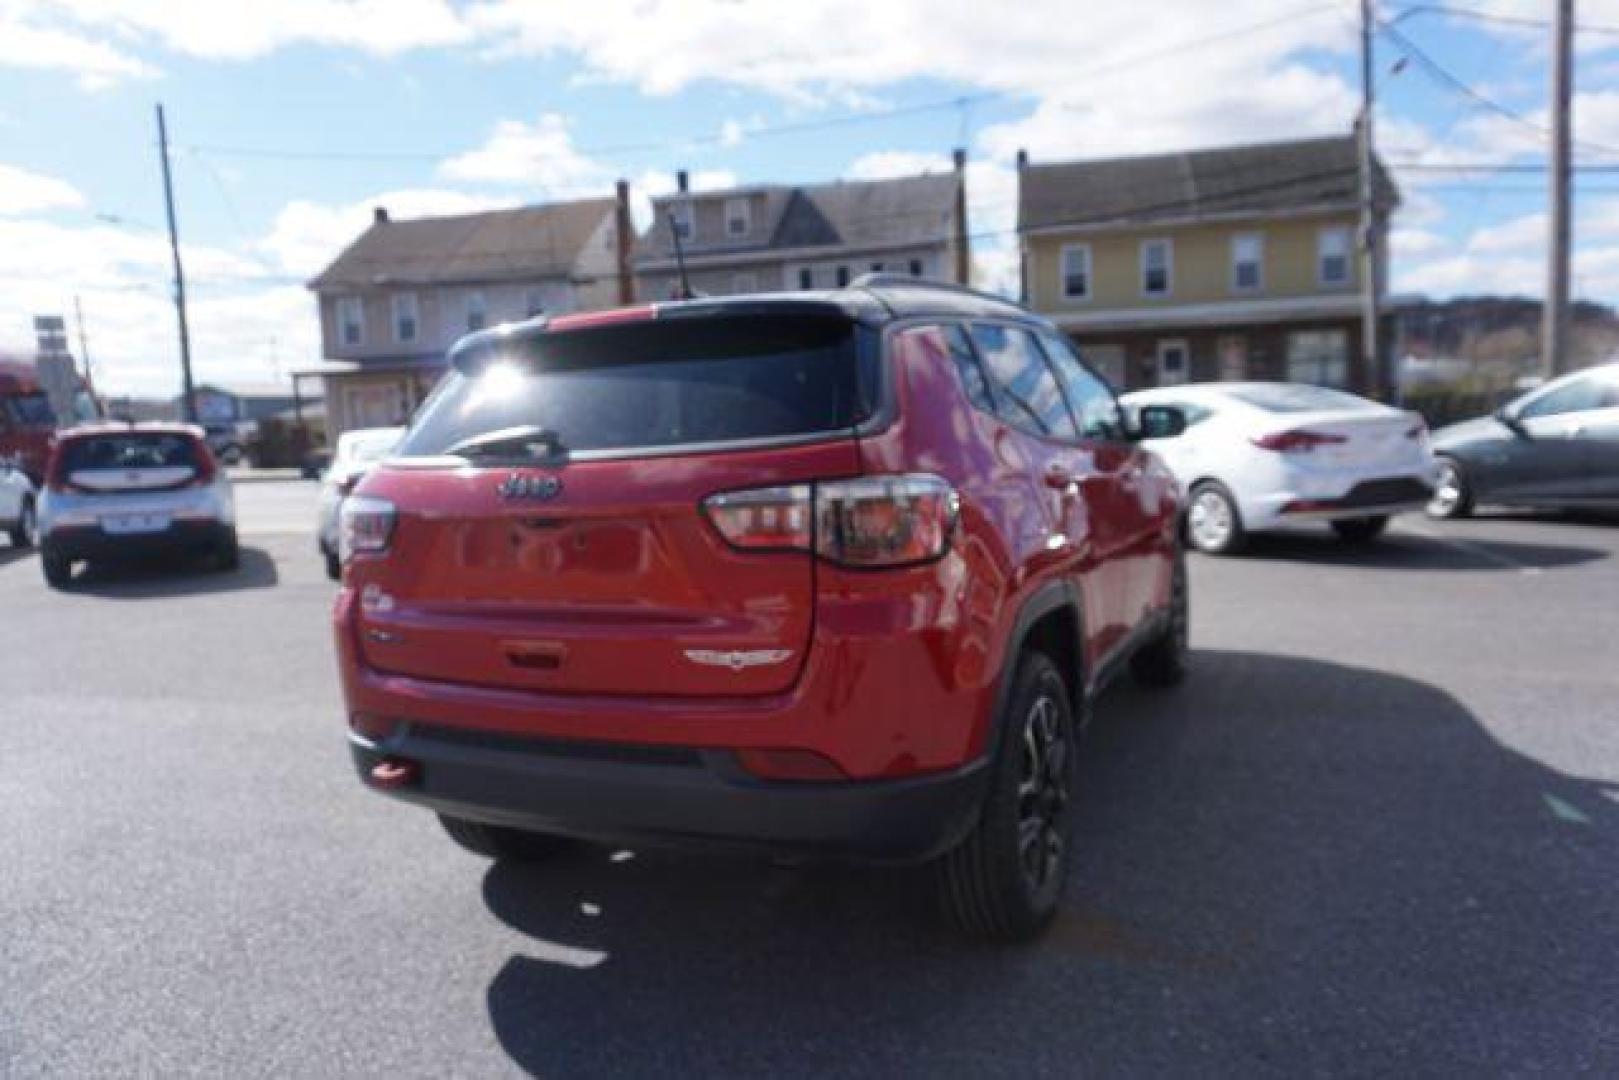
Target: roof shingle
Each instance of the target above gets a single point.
(1228, 181)
(498, 245)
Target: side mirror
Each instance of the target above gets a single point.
(1510, 420)
(1160, 422)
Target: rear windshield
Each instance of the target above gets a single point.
(142, 450)
(657, 384)
(1297, 399)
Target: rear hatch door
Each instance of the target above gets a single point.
(582, 561)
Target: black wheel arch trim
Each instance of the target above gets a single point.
(1051, 597)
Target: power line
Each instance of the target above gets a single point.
(1442, 75)
(956, 102)
(1493, 166)
(1479, 15)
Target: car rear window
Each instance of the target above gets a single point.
(1300, 398)
(135, 450)
(656, 384)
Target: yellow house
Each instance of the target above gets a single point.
(1234, 263)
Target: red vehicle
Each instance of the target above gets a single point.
(830, 574)
(27, 422)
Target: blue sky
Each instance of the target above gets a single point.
(433, 106)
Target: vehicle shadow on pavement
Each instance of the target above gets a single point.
(1288, 865)
(164, 578)
(1407, 551)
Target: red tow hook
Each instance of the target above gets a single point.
(392, 773)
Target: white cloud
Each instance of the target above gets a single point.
(24, 192)
(307, 235)
(241, 31)
(539, 156)
(95, 64)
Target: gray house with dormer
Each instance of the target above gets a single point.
(775, 237)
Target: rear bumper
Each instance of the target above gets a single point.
(92, 542)
(673, 796)
(1367, 498)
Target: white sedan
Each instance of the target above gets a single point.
(356, 454)
(1259, 455)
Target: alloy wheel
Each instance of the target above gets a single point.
(1447, 493)
(1210, 520)
(1042, 794)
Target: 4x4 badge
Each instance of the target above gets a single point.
(737, 659)
(518, 486)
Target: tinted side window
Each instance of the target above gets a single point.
(1027, 393)
(973, 380)
(1093, 403)
(1577, 396)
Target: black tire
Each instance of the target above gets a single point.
(58, 569)
(1453, 496)
(1212, 498)
(334, 565)
(1362, 530)
(1164, 660)
(500, 842)
(22, 533)
(228, 555)
(989, 886)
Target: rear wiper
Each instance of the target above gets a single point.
(512, 441)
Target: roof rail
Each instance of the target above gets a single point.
(873, 281)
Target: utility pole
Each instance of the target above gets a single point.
(84, 349)
(1554, 319)
(189, 402)
(1380, 380)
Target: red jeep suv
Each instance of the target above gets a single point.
(819, 574)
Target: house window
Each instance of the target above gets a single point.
(1233, 349)
(1332, 250)
(350, 320)
(1248, 262)
(1318, 357)
(1076, 271)
(916, 267)
(745, 282)
(806, 278)
(738, 217)
(534, 303)
(405, 318)
(477, 311)
(1174, 363)
(682, 221)
(843, 276)
(1156, 268)
(876, 268)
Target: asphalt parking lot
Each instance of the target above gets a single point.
(1376, 832)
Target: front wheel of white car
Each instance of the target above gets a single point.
(1213, 522)
(25, 534)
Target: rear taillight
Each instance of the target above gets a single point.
(874, 521)
(1297, 442)
(763, 519)
(884, 520)
(365, 526)
(207, 465)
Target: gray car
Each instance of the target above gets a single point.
(1556, 446)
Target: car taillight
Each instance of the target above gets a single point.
(884, 520)
(365, 526)
(1297, 442)
(874, 521)
(207, 465)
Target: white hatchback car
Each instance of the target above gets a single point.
(118, 490)
(1258, 455)
(356, 454)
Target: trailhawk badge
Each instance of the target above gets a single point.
(737, 659)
